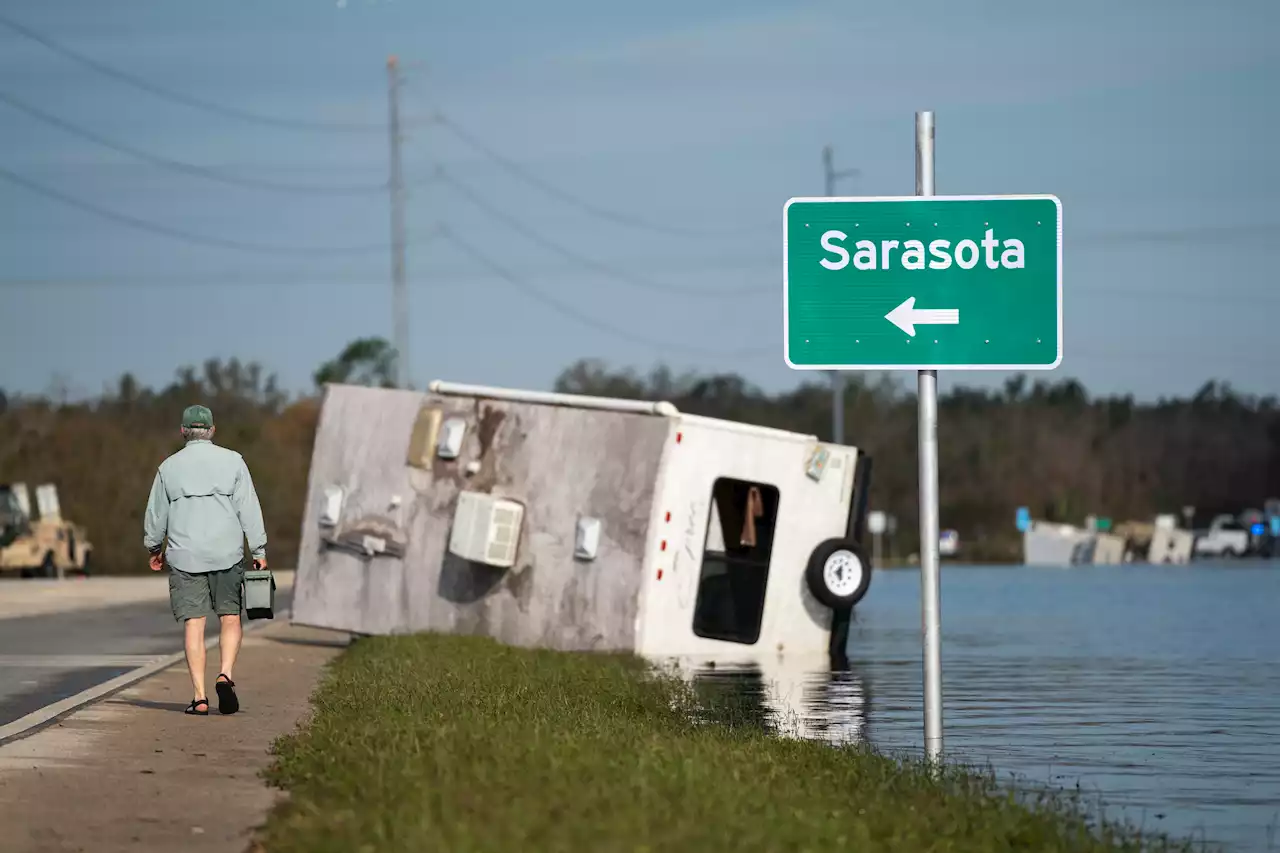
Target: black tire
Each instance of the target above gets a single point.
(88, 563)
(844, 582)
(48, 569)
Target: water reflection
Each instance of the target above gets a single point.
(733, 695)
(789, 697)
(836, 707)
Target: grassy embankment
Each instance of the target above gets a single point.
(461, 744)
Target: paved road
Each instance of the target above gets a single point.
(49, 657)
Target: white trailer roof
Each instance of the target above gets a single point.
(583, 401)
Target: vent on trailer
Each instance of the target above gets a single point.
(331, 509)
(486, 529)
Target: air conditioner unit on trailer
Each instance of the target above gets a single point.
(486, 529)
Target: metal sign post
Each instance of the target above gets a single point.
(930, 576)
(923, 283)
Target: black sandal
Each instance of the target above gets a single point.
(194, 708)
(227, 701)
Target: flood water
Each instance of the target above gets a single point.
(1156, 689)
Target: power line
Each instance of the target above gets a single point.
(292, 277)
(1121, 238)
(295, 278)
(158, 228)
(569, 311)
(590, 263)
(187, 100)
(498, 213)
(586, 206)
(188, 168)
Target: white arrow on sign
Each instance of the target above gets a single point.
(907, 316)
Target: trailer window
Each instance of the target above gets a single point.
(735, 561)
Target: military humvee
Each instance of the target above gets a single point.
(43, 545)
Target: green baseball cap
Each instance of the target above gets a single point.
(197, 417)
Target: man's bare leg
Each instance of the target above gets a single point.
(194, 644)
(229, 643)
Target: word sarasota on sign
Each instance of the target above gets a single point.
(867, 255)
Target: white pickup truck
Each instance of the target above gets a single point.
(1226, 537)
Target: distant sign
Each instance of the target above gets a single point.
(948, 543)
(1023, 519)
(1258, 529)
(876, 522)
(1103, 524)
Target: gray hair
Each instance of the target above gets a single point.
(197, 433)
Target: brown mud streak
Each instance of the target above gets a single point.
(489, 420)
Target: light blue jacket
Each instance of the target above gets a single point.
(204, 502)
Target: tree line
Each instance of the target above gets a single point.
(1045, 445)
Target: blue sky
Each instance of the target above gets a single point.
(1149, 119)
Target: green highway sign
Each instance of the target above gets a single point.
(922, 283)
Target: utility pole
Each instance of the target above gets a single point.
(830, 175)
(399, 288)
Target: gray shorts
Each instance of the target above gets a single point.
(193, 596)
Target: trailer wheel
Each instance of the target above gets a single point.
(48, 569)
(838, 573)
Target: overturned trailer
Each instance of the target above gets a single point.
(578, 523)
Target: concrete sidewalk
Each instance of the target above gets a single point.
(133, 772)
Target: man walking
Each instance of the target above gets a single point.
(203, 502)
